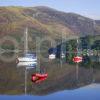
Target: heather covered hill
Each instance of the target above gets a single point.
(44, 20)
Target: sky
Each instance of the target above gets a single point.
(88, 8)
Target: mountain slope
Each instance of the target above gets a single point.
(76, 23)
(44, 20)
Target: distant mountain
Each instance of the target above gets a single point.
(97, 22)
(77, 24)
(45, 21)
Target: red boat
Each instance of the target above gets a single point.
(77, 59)
(38, 77)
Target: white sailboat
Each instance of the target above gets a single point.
(28, 58)
(52, 56)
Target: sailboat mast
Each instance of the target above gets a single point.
(25, 52)
(61, 50)
(77, 46)
(26, 41)
(38, 54)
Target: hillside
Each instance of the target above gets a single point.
(45, 21)
(97, 22)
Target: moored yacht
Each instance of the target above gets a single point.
(27, 58)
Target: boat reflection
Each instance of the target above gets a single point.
(25, 64)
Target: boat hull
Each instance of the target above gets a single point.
(23, 59)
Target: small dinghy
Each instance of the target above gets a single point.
(38, 77)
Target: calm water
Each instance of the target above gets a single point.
(68, 81)
(90, 92)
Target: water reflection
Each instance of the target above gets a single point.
(67, 77)
(91, 92)
(62, 72)
(28, 64)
